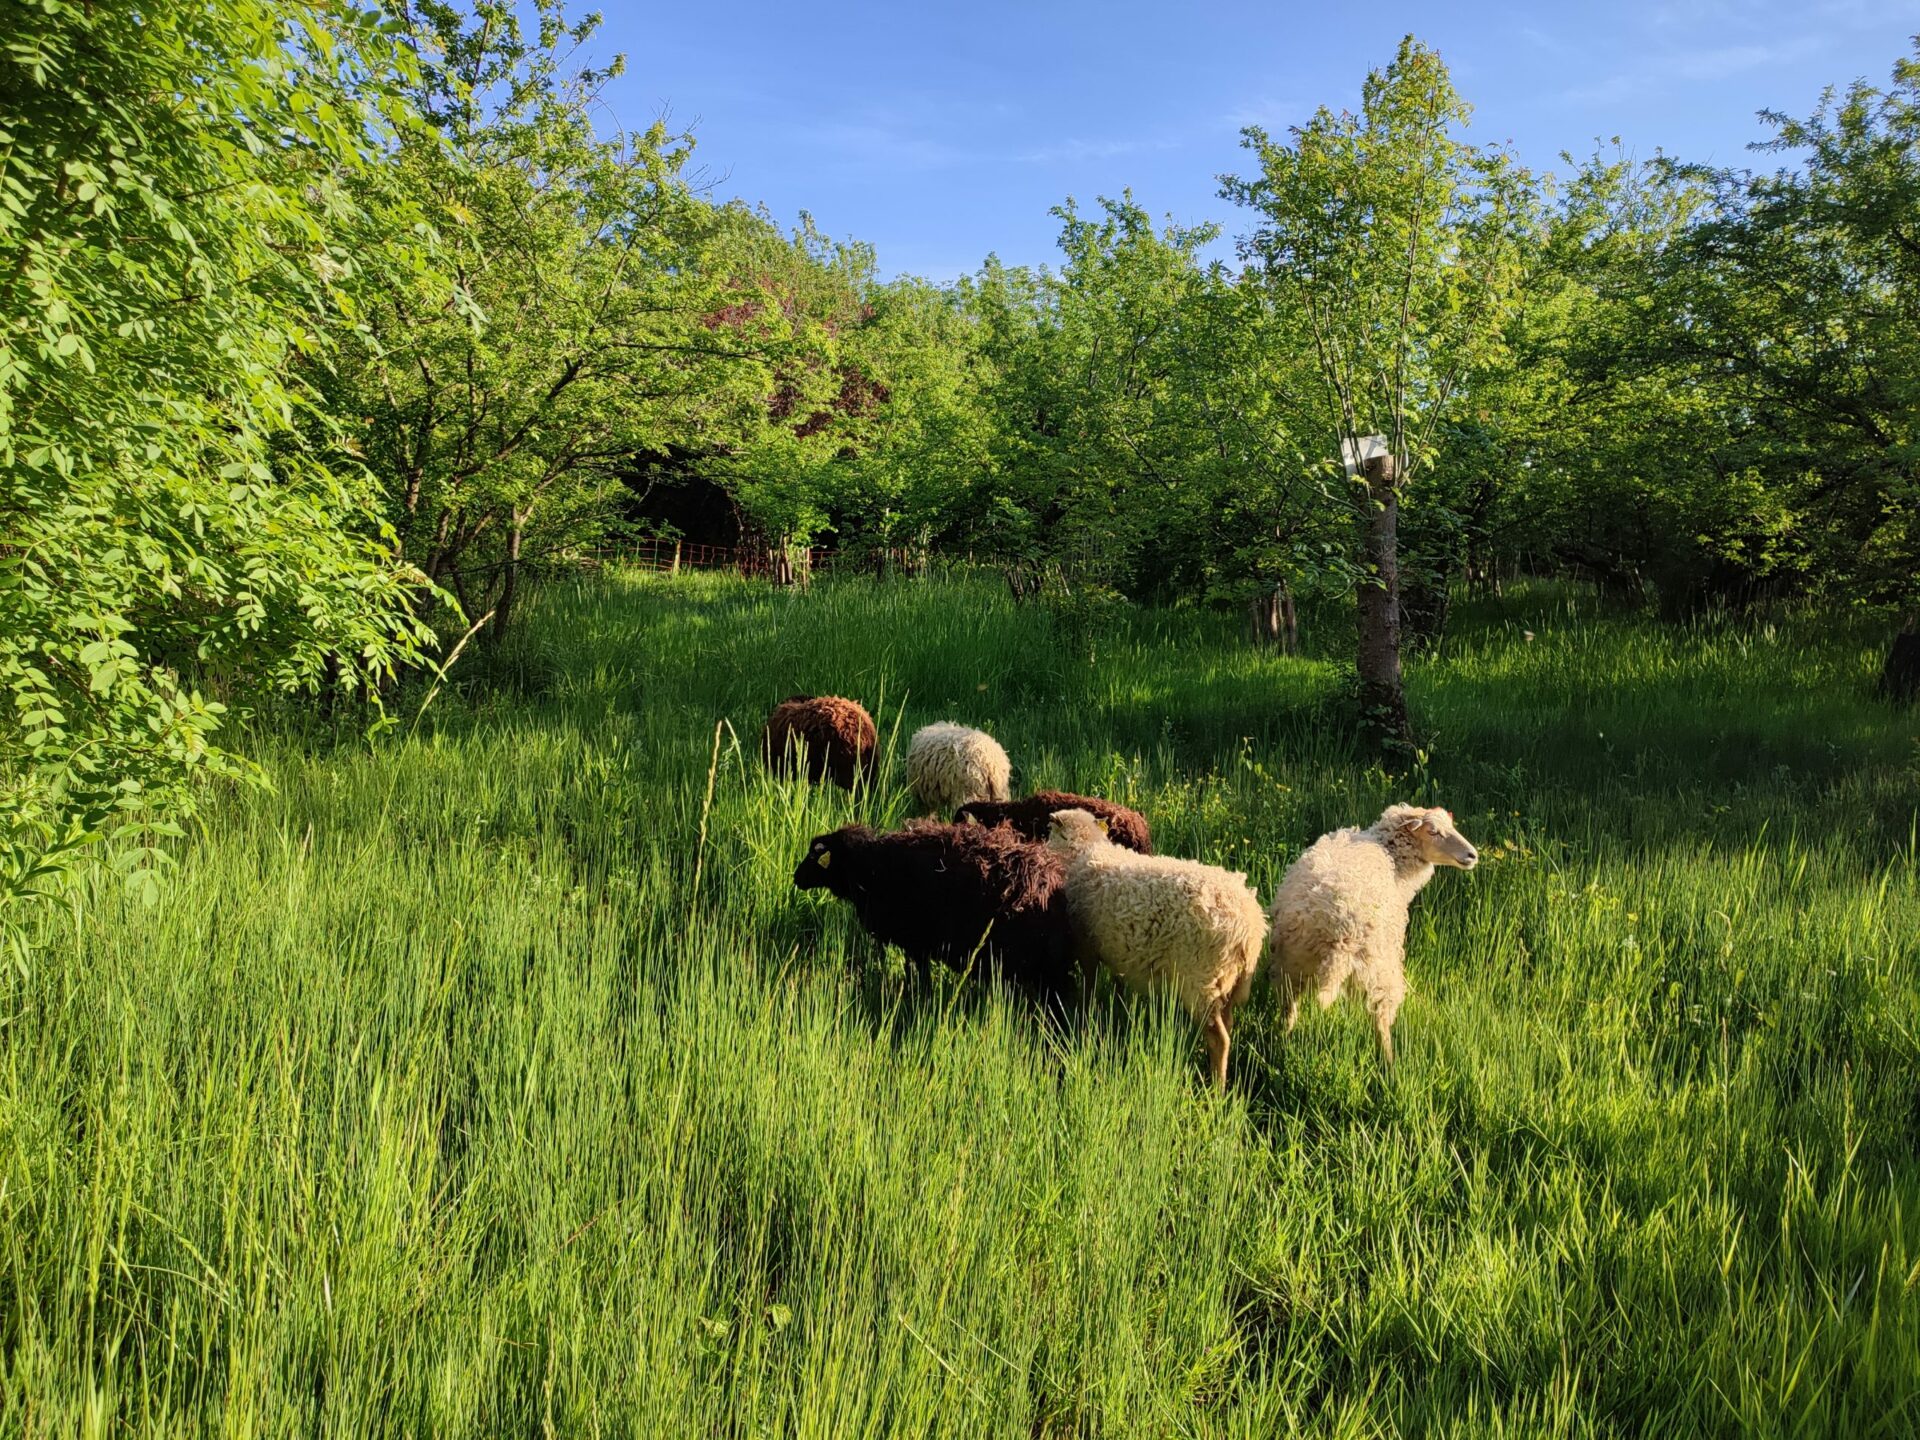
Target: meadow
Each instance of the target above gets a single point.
(491, 1078)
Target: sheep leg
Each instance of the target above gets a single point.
(1089, 969)
(1289, 1000)
(1383, 1026)
(1219, 1039)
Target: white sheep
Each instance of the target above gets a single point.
(1340, 914)
(1156, 921)
(949, 765)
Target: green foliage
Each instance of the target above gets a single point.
(1712, 377)
(436, 1100)
(784, 463)
(563, 323)
(1803, 291)
(284, 276)
(1141, 408)
(1397, 248)
(920, 446)
(180, 531)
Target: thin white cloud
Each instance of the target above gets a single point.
(1267, 113)
(1869, 14)
(1737, 59)
(883, 146)
(1068, 151)
(1693, 66)
(1720, 15)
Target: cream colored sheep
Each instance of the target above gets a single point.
(1340, 914)
(948, 765)
(1156, 922)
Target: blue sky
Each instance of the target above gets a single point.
(940, 132)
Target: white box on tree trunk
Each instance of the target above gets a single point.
(1355, 453)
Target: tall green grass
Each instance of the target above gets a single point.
(434, 1097)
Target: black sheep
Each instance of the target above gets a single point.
(960, 894)
(1032, 817)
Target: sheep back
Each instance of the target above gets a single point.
(1340, 899)
(949, 765)
(959, 894)
(836, 735)
(1032, 816)
(1154, 920)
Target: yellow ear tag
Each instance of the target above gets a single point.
(1103, 827)
(822, 858)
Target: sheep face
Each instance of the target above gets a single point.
(816, 871)
(1074, 830)
(1439, 842)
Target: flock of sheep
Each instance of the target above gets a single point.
(1047, 890)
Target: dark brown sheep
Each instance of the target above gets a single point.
(959, 894)
(1033, 816)
(836, 736)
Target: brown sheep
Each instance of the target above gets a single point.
(836, 736)
(959, 894)
(1033, 816)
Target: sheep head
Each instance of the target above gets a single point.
(1432, 834)
(1074, 830)
(816, 871)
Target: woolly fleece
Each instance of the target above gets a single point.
(836, 735)
(1156, 921)
(1032, 816)
(949, 765)
(1340, 914)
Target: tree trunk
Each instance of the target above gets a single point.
(439, 558)
(780, 562)
(1383, 696)
(459, 581)
(509, 580)
(329, 687)
(1900, 676)
(1424, 607)
(1273, 621)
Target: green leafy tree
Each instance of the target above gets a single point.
(1177, 390)
(918, 431)
(567, 322)
(181, 531)
(1123, 433)
(793, 301)
(1400, 247)
(1142, 430)
(1010, 312)
(1802, 290)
